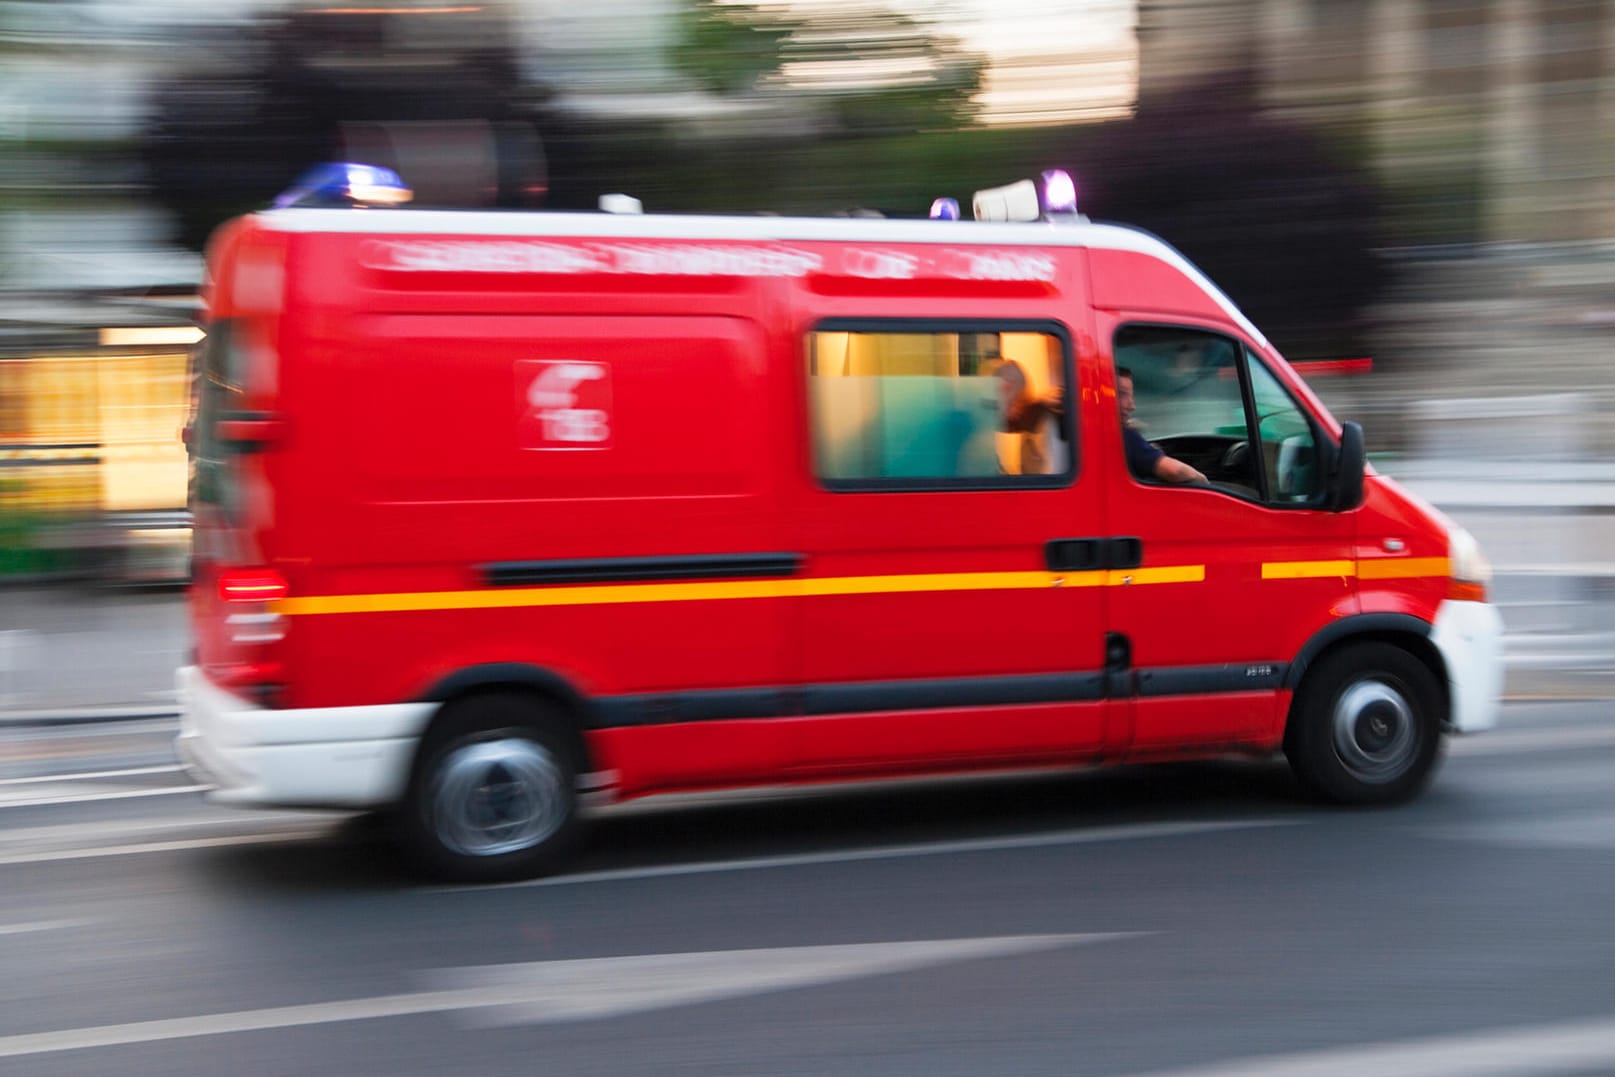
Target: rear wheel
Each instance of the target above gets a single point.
(494, 792)
(1366, 726)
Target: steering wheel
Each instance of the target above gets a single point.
(1237, 457)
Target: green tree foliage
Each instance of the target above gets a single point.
(879, 71)
(729, 48)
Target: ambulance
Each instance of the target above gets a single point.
(502, 515)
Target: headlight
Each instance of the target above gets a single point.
(1471, 572)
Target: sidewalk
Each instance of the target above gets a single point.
(74, 651)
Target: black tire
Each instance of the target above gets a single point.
(1365, 728)
(493, 795)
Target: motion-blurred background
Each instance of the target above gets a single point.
(1428, 185)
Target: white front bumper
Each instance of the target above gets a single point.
(329, 757)
(1469, 636)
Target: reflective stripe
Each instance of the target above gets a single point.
(1385, 568)
(1398, 568)
(1124, 577)
(1306, 570)
(614, 594)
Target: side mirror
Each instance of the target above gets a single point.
(1346, 481)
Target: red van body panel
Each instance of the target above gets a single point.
(659, 549)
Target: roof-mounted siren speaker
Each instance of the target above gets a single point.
(621, 203)
(1016, 202)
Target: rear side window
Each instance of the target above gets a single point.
(958, 405)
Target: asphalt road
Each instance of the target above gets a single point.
(1185, 920)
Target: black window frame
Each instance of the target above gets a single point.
(1323, 445)
(961, 326)
(1242, 348)
(216, 379)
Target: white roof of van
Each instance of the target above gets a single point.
(760, 228)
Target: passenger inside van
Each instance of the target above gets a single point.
(1038, 444)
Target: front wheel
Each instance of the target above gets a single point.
(494, 792)
(1365, 727)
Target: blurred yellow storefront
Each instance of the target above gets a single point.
(93, 470)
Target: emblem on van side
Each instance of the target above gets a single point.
(563, 404)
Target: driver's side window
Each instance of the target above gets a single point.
(1207, 406)
(1186, 404)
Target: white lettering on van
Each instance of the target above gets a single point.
(491, 257)
(1005, 265)
(703, 260)
(686, 260)
(568, 401)
(879, 264)
(517, 256)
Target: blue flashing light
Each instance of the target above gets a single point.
(945, 209)
(345, 183)
(1059, 193)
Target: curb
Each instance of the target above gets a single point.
(85, 716)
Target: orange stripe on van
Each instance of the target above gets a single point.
(1401, 568)
(1307, 570)
(1387, 568)
(1128, 577)
(704, 591)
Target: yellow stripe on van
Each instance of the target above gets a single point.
(1307, 570)
(1385, 568)
(623, 593)
(1127, 577)
(1402, 568)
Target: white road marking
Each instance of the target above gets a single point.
(103, 829)
(41, 925)
(590, 988)
(596, 988)
(45, 798)
(892, 852)
(1564, 1047)
(89, 775)
(177, 845)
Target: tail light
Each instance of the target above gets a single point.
(253, 627)
(252, 585)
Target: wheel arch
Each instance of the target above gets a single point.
(536, 682)
(1397, 629)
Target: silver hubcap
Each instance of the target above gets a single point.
(494, 797)
(1374, 731)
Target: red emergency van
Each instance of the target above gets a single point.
(494, 511)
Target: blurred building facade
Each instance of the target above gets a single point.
(1505, 109)
(1494, 120)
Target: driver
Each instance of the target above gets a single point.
(1144, 460)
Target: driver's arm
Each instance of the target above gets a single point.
(1170, 470)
